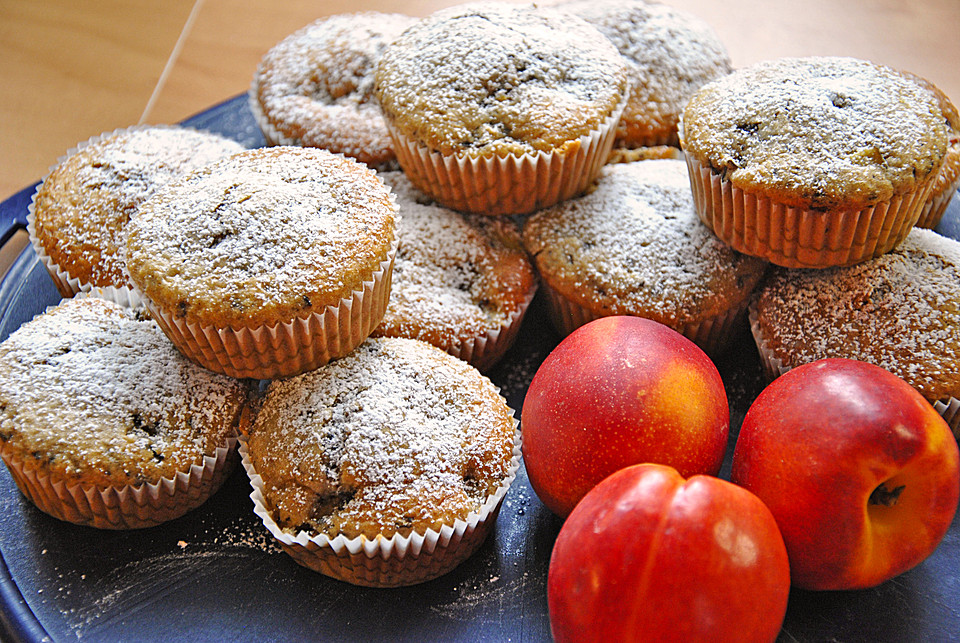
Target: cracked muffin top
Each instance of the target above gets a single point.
(96, 393)
(398, 436)
(262, 237)
(817, 133)
(497, 79)
(315, 87)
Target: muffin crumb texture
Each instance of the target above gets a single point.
(315, 87)
(275, 233)
(83, 206)
(398, 436)
(455, 276)
(636, 246)
(670, 54)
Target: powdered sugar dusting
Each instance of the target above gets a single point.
(316, 86)
(670, 54)
(97, 390)
(454, 276)
(499, 76)
(394, 435)
(636, 246)
(900, 311)
(268, 228)
(83, 206)
(829, 130)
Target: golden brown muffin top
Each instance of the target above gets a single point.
(818, 133)
(95, 392)
(315, 87)
(670, 54)
(496, 79)
(268, 235)
(455, 276)
(82, 208)
(900, 311)
(395, 437)
(635, 246)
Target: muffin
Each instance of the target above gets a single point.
(315, 87)
(268, 263)
(460, 282)
(498, 108)
(385, 467)
(634, 246)
(103, 423)
(949, 178)
(79, 213)
(629, 155)
(900, 311)
(670, 54)
(813, 162)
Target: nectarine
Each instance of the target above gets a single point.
(859, 470)
(647, 555)
(615, 392)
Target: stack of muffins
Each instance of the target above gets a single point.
(826, 166)
(366, 300)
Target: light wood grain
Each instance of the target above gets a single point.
(71, 70)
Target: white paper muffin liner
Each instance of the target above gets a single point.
(796, 237)
(514, 184)
(286, 348)
(485, 351)
(936, 205)
(712, 334)
(121, 507)
(387, 562)
(773, 367)
(271, 134)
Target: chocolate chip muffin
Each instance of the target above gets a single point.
(104, 423)
(396, 443)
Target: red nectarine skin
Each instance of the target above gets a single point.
(615, 392)
(823, 439)
(647, 555)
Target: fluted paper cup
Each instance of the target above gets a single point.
(287, 348)
(507, 185)
(396, 561)
(712, 334)
(121, 507)
(797, 237)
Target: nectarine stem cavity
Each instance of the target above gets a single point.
(885, 496)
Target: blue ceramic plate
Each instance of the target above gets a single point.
(215, 575)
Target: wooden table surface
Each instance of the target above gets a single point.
(71, 69)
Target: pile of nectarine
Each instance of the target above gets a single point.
(843, 477)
